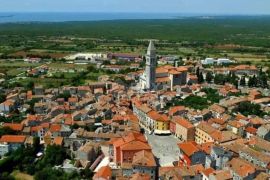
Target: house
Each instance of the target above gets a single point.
(60, 130)
(104, 173)
(139, 176)
(143, 163)
(183, 172)
(260, 143)
(262, 176)
(264, 132)
(39, 90)
(177, 111)
(237, 127)
(162, 125)
(10, 143)
(204, 133)
(218, 158)
(191, 154)
(41, 108)
(38, 131)
(224, 137)
(123, 149)
(7, 106)
(208, 61)
(217, 110)
(184, 130)
(250, 132)
(257, 158)
(220, 175)
(205, 173)
(88, 153)
(241, 169)
(243, 69)
(14, 126)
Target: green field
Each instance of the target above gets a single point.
(253, 31)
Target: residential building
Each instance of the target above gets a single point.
(264, 132)
(10, 143)
(184, 130)
(191, 154)
(241, 169)
(204, 133)
(218, 158)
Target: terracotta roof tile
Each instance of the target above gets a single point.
(14, 126)
(13, 139)
(189, 148)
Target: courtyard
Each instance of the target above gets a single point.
(164, 148)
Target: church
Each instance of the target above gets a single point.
(163, 77)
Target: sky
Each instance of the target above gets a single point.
(146, 6)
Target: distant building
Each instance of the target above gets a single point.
(208, 61)
(221, 61)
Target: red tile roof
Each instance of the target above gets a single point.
(189, 148)
(208, 171)
(183, 122)
(13, 138)
(14, 126)
(104, 172)
(251, 130)
(175, 109)
(58, 141)
(55, 128)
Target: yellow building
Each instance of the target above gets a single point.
(204, 133)
(161, 122)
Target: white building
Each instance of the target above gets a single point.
(208, 61)
(221, 61)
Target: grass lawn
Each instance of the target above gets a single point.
(14, 64)
(21, 176)
(14, 72)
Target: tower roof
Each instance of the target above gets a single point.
(151, 47)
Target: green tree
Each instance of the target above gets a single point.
(209, 77)
(219, 79)
(247, 108)
(2, 97)
(243, 81)
(6, 131)
(30, 85)
(200, 78)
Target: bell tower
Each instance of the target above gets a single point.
(150, 69)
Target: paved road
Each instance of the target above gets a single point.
(164, 148)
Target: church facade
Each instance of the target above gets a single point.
(163, 77)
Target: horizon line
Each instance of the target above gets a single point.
(124, 12)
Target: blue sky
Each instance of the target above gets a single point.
(151, 6)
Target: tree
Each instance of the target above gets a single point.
(209, 77)
(219, 79)
(198, 72)
(243, 81)
(200, 78)
(253, 81)
(30, 85)
(263, 79)
(2, 97)
(247, 108)
(54, 155)
(6, 131)
(64, 95)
